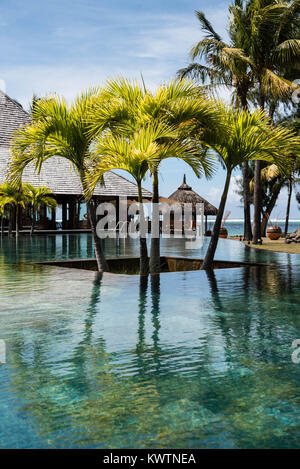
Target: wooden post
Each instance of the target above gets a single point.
(78, 213)
(117, 210)
(53, 218)
(64, 215)
(20, 217)
(205, 224)
(72, 213)
(44, 212)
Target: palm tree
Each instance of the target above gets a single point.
(222, 69)
(247, 137)
(14, 198)
(136, 154)
(272, 174)
(58, 129)
(159, 125)
(38, 196)
(274, 50)
(292, 122)
(264, 48)
(118, 153)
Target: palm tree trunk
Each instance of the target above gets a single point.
(264, 224)
(210, 253)
(257, 203)
(10, 221)
(99, 254)
(272, 110)
(286, 228)
(100, 258)
(257, 188)
(2, 225)
(155, 235)
(246, 196)
(33, 221)
(144, 260)
(268, 211)
(246, 179)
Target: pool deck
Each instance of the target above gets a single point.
(274, 246)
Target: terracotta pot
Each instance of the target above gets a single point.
(274, 232)
(223, 233)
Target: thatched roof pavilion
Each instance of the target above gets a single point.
(186, 195)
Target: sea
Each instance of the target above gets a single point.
(236, 227)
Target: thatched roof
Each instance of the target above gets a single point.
(57, 172)
(12, 117)
(186, 195)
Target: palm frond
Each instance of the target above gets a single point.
(287, 52)
(275, 85)
(207, 26)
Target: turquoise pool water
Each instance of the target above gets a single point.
(182, 360)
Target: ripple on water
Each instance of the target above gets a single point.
(189, 361)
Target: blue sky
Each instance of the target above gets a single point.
(66, 46)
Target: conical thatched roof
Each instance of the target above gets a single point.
(186, 195)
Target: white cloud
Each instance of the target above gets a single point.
(156, 45)
(233, 197)
(171, 37)
(214, 194)
(24, 81)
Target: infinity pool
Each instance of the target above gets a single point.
(181, 360)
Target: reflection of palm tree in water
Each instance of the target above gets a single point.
(220, 310)
(81, 351)
(92, 309)
(247, 310)
(141, 347)
(144, 359)
(42, 406)
(236, 328)
(155, 296)
(142, 310)
(268, 284)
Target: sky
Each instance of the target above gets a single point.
(68, 45)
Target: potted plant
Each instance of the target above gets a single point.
(274, 231)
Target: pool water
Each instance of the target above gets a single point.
(178, 360)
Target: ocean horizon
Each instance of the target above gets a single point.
(235, 227)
